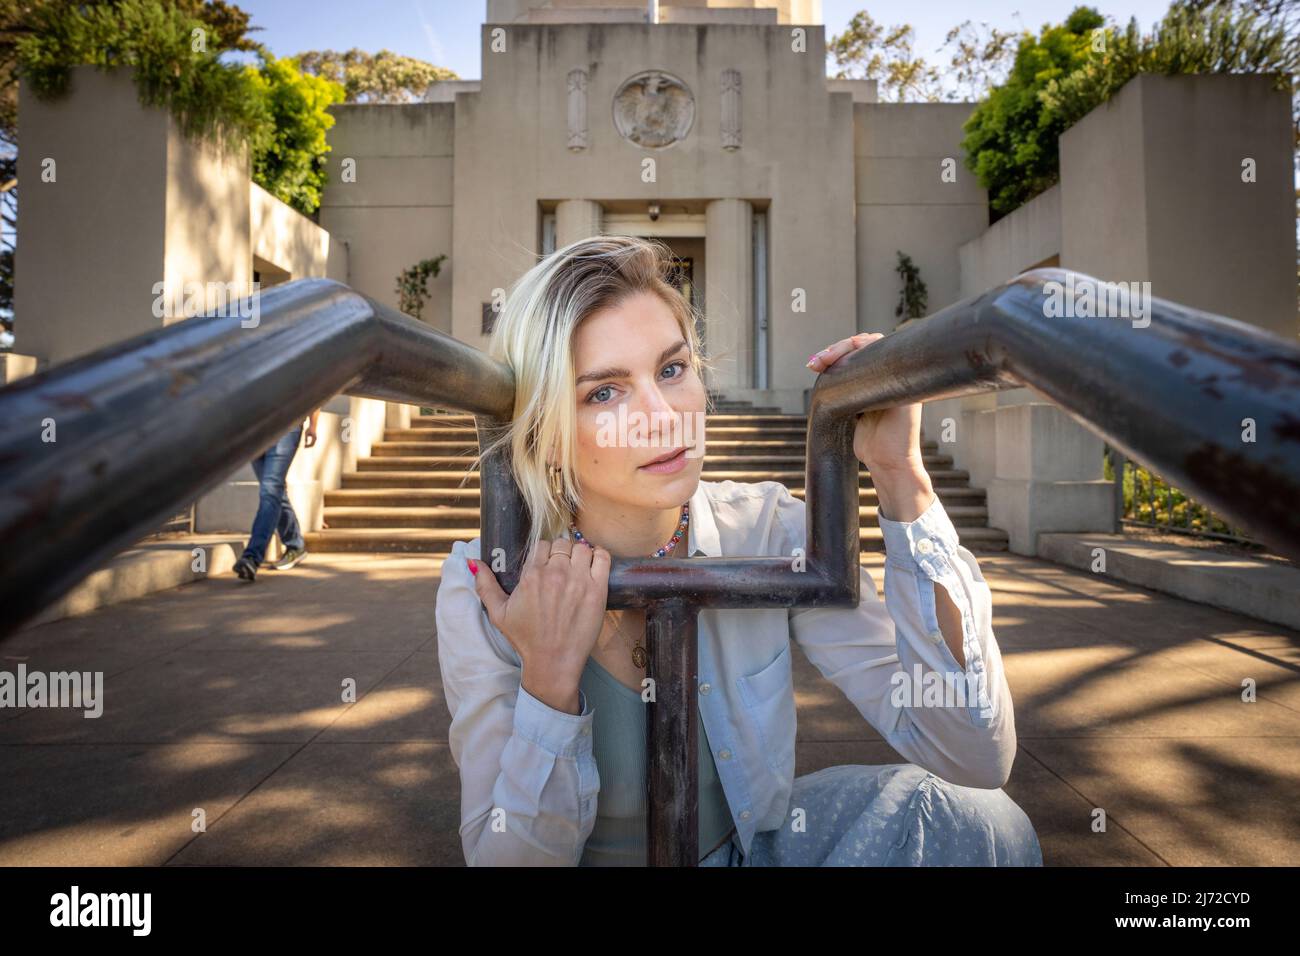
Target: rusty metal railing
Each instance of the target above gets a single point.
(150, 423)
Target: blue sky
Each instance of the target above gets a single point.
(446, 32)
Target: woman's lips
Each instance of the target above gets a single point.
(668, 467)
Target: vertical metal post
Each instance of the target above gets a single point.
(1118, 463)
(672, 771)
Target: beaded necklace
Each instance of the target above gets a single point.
(639, 655)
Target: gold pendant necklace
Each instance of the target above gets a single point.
(639, 655)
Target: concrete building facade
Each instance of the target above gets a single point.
(711, 124)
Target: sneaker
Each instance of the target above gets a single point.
(291, 557)
(244, 568)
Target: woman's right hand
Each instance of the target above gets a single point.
(553, 617)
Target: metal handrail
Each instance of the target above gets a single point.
(149, 423)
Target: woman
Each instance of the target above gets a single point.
(545, 686)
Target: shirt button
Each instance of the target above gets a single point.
(925, 546)
(586, 731)
(745, 814)
(724, 754)
(936, 636)
(705, 688)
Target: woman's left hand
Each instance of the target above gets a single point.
(888, 440)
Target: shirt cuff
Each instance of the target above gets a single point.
(565, 735)
(929, 542)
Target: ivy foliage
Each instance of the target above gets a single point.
(913, 297)
(413, 285)
(176, 59)
(1068, 70)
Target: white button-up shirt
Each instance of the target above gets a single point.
(529, 782)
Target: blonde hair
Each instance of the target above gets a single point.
(534, 334)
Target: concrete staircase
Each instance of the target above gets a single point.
(405, 496)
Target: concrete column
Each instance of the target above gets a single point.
(1047, 473)
(729, 292)
(577, 219)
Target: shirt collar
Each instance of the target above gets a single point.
(702, 532)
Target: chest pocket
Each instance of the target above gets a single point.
(768, 695)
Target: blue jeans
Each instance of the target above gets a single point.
(274, 512)
(890, 815)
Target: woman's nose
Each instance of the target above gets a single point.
(657, 399)
(660, 413)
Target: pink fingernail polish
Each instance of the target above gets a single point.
(473, 566)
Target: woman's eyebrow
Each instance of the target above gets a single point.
(624, 373)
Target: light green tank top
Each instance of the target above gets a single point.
(618, 743)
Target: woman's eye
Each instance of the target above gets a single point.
(595, 399)
(678, 365)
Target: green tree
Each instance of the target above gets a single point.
(869, 50)
(383, 77)
(1010, 141)
(1069, 70)
(1193, 37)
(291, 165)
(980, 58)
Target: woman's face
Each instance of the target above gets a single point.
(638, 399)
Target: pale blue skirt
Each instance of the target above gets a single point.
(889, 815)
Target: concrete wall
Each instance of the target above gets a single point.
(512, 155)
(1151, 189)
(208, 232)
(346, 430)
(670, 11)
(296, 248)
(286, 238)
(904, 203)
(93, 239)
(399, 209)
(1012, 245)
(134, 203)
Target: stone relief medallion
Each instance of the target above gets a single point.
(653, 109)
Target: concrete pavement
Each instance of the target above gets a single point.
(226, 738)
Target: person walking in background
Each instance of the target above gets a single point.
(275, 514)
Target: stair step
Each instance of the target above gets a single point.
(391, 478)
(735, 416)
(776, 452)
(416, 491)
(401, 494)
(432, 488)
(385, 457)
(468, 437)
(397, 473)
(453, 516)
(440, 540)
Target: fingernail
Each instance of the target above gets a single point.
(473, 566)
(811, 358)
